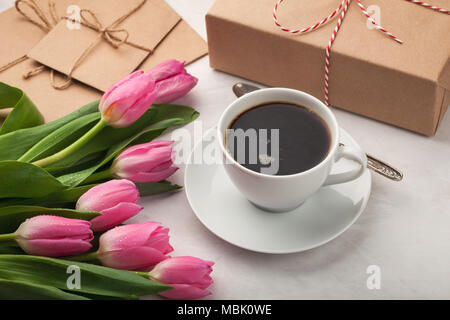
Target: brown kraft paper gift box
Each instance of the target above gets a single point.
(182, 43)
(407, 85)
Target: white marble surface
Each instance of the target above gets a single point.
(405, 229)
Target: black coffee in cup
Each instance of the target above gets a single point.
(278, 138)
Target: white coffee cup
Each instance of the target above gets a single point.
(286, 192)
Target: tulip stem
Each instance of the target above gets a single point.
(73, 147)
(98, 176)
(86, 257)
(8, 238)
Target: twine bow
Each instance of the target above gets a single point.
(111, 34)
(341, 11)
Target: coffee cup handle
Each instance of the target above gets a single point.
(351, 153)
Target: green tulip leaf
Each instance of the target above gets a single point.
(153, 188)
(63, 198)
(16, 143)
(24, 113)
(96, 280)
(24, 180)
(106, 138)
(20, 290)
(84, 163)
(12, 217)
(11, 249)
(61, 138)
(167, 112)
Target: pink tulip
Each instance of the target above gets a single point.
(128, 99)
(116, 200)
(52, 236)
(134, 246)
(167, 69)
(172, 81)
(148, 162)
(189, 276)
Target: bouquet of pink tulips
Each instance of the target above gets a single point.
(69, 185)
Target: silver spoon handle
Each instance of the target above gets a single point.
(374, 164)
(384, 169)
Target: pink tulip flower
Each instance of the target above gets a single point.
(134, 246)
(167, 69)
(148, 162)
(52, 236)
(116, 200)
(189, 276)
(127, 100)
(172, 81)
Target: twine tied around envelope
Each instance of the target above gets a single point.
(111, 34)
(341, 11)
(43, 22)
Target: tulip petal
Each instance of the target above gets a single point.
(129, 101)
(143, 148)
(107, 195)
(153, 176)
(114, 216)
(132, 258)
(54, 247)
(173, 88)
(160, 240)
(184, 292)
(184, 270)
(128, 236)
(145, 162)
(115, 86)
(129, 91)
(54, 227)
(163, 166)
(167, 69)
(136, 110)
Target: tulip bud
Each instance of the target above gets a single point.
(148, 162)
(134, 246)
(128, 100)
(52, 236)
(172, 81)
(189, 276)
(116, 200)
(173, 88)
(167, 69)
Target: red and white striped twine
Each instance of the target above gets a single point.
(342, 10)
(328, 50)
(429, 6)
(377, 26)
(310, 28)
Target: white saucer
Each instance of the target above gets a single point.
(225, 212)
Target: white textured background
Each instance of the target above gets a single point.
(405, 228)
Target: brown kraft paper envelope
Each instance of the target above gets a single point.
(105, 65)
(183, 43)
(19, 35)
(52, 103)
(406, 85)
(56, 103)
